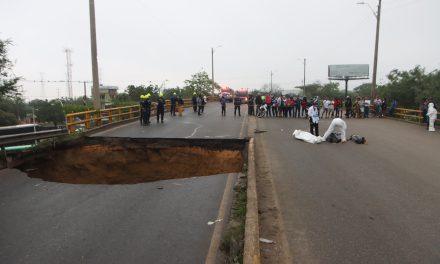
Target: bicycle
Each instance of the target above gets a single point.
(262, 112)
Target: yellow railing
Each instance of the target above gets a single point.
(82, 121)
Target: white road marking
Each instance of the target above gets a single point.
(194, 132)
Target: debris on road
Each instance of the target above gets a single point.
(267, 241)
(213, 222)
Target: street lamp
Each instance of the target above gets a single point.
(212, 66)
(304, 80)
(376, 46)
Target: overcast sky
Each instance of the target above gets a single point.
(141, 41)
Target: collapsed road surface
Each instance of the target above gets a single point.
(152, 222)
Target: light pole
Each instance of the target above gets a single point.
(304, 86)
(376, 46)
(96, 95)
(212, 66)
(271, 74)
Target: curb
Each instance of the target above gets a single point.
(251, 236)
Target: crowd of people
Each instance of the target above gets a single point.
(297, 106)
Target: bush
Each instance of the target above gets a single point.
(7, 119)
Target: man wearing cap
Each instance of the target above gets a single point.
(194, 101)
(173, 100)
(147, 107)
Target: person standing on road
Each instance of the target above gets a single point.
(337, 125)
(432, 116)
(313, 114)
(199, 103)
(147, 106)
(258, 103)
(348, 106)
(142, 109)
(160, 108)
(251, 105)
(194, 102)
(237, 105)
(173, 101)
(268, 101)
(223, 104)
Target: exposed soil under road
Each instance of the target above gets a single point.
(129, 161)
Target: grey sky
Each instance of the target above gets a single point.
(141, 41)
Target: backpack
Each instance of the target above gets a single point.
(334, 138)
(358, 139)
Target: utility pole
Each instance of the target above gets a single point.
(96, 95)
(69, 73)
(271, 74)
(212, 67)
(376, 50)
(304, 87)
(85, 91)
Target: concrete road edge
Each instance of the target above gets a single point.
(251, 241)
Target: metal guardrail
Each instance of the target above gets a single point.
(412, 115)
(82, 121)
(19, 138)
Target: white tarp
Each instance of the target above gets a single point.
(307, 137)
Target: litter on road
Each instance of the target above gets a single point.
(267, 241)
(213, 222)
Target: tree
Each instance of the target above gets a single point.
(8, 80)
(410, 87)
(134, 92)
(200, 83)
(363, 90)
(48, 111)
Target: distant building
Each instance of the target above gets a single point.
(107, 94)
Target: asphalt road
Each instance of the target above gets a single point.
(209, 125)
(158, 222)
(349, 203)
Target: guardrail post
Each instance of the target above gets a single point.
(71, 125)
(87, 122)
(120, 116)
(110, 117)
(98, 118)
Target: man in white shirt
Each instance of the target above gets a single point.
(313, 114)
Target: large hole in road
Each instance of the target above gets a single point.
(103, 160)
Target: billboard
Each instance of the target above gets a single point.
(348, 71)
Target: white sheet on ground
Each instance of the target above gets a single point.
(307, 137)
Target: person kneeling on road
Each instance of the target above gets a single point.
(337, 126)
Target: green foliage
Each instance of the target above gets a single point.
(199, 83)
(48, 111)
(7, 119)
(134, 92)
(7, 79)
(15, 106)
(410, 87)
(363, 90)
